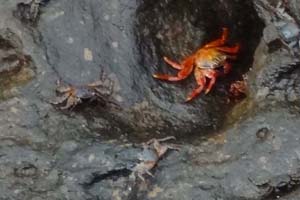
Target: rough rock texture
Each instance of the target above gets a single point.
(247, 151)
(294, 5)
(16, 68)
(128, 44)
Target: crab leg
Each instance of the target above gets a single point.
(71, 102)
(235, 49)
(212, 75)
(172, 63)
(149, 173)
(188, 65)
(227, 68)
(201, 81)
(61, 99)
(160, 140)
(219, 42)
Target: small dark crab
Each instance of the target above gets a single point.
(71, 95)
(152, 152)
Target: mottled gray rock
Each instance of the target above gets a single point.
(82, 38)
(89, 153)
(275, 71)
(242, 166)
(16, 67)
(294, 5)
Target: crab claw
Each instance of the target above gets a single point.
(155, 75)
(194, 93)
(188, 99)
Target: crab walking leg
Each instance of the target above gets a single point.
(212, 75)
(219, 42)
(201, 81)
(160, 140)
(71, 102)
(149, 173)
(173, 64)
(227, 67)
(235, 49)
(182, 74)
(61, 99)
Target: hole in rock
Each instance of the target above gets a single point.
(177, 28)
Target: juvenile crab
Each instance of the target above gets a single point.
(207, 62)
(152, 152)
(238, 88)
(70, 95)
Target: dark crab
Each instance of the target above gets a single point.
(238, 89)
(275, 187)
(152, 152)
(71, 95)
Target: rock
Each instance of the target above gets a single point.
(89, 152)
(294, 6)
(16, 67)
(29, 11)
(132, 53)
(239, 169)
(273, 66)
(26, 165)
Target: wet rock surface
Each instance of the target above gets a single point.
(129, 47)
(16, 67)
(276, 61)
(251, 151)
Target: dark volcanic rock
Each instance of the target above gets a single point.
(244, 167)
(294, 6)
(15, 67)
(275, 74)
(89, 153)
(82, 38)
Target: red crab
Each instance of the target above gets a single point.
(207, 61)
(238, 88)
